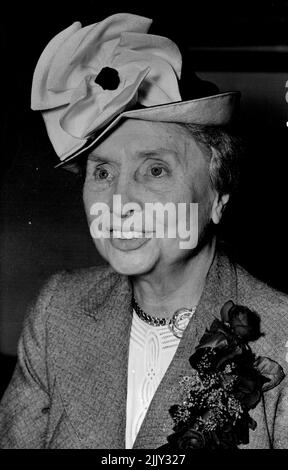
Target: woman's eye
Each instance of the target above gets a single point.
(158, 171)
(102, 174)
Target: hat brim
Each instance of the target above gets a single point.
(216, 110)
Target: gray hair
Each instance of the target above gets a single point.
(224, 150)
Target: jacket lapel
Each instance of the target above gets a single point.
(93, 386)
(221, 285)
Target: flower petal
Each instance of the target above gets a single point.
(94, 109)
(270, 370)
(224, 313)
(41, 98)
(158, 46)
(63, 143)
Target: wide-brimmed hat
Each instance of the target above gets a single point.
(88, 79)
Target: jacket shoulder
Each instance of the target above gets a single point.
(64, 290)
(272, 307)
(259, 291)
(80, 281)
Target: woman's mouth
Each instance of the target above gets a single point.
(131, 240)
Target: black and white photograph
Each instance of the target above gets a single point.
(143, 235)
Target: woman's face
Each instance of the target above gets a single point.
(145, 162)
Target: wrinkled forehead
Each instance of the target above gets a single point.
(133, 137)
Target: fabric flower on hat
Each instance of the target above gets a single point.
(87, 76)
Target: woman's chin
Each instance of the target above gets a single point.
(132, 262)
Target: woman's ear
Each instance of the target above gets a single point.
(218, 207)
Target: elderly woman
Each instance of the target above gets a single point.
(105, 350)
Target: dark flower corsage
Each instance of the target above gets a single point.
(227, 380)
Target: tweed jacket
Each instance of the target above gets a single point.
(69, 386)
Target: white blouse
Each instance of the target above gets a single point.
(150, 353)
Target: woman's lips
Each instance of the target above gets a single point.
(127, 235)
(127, 241)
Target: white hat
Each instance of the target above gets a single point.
(87, 79)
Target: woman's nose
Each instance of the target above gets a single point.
(126, 197)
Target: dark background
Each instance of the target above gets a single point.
(236, 45)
